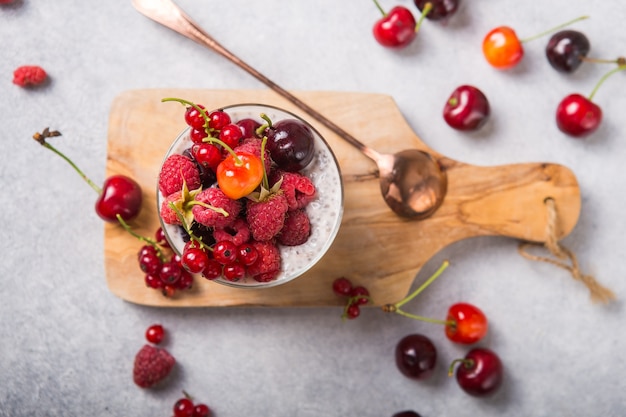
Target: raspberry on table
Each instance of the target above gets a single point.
(266, 218)
(176, 169)
(29, 75)
(297, 228)
(211, 218)
(152, 365)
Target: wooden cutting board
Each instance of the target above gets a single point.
(374, 247)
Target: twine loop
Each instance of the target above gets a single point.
(565, 258)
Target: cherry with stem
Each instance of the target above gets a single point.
(464, 323)
(119, 194)
(398, 28)
(579, 116)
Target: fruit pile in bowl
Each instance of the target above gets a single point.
(249, 195)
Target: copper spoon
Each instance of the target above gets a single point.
(411, 181)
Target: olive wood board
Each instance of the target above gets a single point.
(374, 247)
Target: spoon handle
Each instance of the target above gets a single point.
(170, 15)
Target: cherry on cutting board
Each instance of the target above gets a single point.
(579, 116)
(467, 108)
(503, 49)
(440, 9)
(397, 28)
(479, 373)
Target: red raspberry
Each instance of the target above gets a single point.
(29, 75)
(253, 146)
(298, 189)
(267, 217)
(168, 215)
(297, 228)
(152, 365)
(238, 232)
(267, 265)
(211, 218)
(175, 169)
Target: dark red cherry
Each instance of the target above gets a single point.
(416, 356)
(578, 116)
(467, 108)
(441, 9)
(248, 127)
(120, 195)
(291, 144)
(566, 50)
(479, 373)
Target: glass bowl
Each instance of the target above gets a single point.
(325, 211)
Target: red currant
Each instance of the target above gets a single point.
(155, 334)
(231, 135)
(183, 408)
(149, 262)
(194, 118)
(362, 295)
(212, 270)
(247, 254)
(342, 286)
(186, 280)
(225, 252)
(201, 410)
(234, 272)
(160, 238)
(218, 119)
(207, 154)
(194, 259)
(153, 281)
(352, 311)
(170, 272)
(197, 135)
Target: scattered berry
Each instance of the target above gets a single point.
(155, 334)
(479, 373)
(467, 108)
(467, 324)
(342, 286)
(183, 408)
(152, 365)
(416, 356)
(29, 75)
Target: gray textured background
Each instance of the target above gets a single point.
(67, 344)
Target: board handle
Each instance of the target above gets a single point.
(509, 200)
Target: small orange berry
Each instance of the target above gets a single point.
(502, 48)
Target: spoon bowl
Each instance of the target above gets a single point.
(412, 183)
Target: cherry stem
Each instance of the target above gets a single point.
(266, 181)
(603, 79)
(147, 240)
(468, 363)
(422, 287)
(205, 116)
(619, 61)
(554, 29)
(380, 8)
(427, 8)
(395, 308)
(47, 133)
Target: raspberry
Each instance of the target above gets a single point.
(267, 265)
(238, 232)
(168, 215)
(296, 230)
(211, 218)
(29, 75)
(266, 217)
(298, 189)
(175, 169)
(152, 365)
